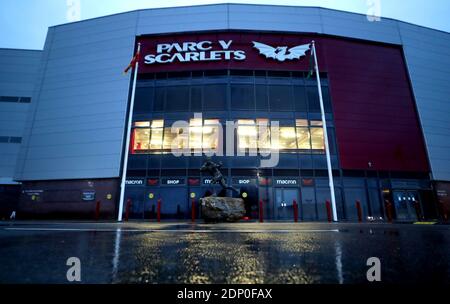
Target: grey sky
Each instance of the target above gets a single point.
(24, 23)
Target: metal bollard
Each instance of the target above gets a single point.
(261, 212)
(193, 210)
(418, 210)
(158, 211)
(359, 211)
(295, 211)
(127, 210)
(389, 213)
(328, 206)
(97, 210)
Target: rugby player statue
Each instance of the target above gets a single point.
(220, 208)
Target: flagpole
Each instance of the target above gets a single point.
(325, 134)
(127, 139)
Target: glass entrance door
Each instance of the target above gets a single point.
(406, 204)
(284, 203)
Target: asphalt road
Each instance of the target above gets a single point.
(37, 252)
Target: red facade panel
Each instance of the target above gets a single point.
(374, 112)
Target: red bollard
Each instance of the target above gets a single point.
(97, 210)
(261, 212)
(359, 210)
(193, 211)
(127, 210)
(389, 214)
(328, 205)
(158, 211)
(295, 211)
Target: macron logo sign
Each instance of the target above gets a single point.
(195, 51)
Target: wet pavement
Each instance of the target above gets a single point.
(37, 252)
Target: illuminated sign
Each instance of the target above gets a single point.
(208, 181)
(286, 182)
(173, 181)
(282, 53)
(134, 182)
(244, 181)
(88, 196)
(195, 51)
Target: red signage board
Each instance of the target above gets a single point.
(225, 51)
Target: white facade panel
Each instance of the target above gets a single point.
(275, 18)
(182, 19)
(427, 56)
(81, 81)
(18, 73)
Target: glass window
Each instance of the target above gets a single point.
(4, 139)
(332, 140)
(170, 138)
(160, 96)
(326, 99)
(317, 139)
(313, 99)
(141, 140)
(15, 140)
(280, 98)
(247, 134)
(144, 100)
(314, 102)
(215, 97)
(316, 123)
(242, 97)
(264, 141)
(300, 101)
(288, 138)
(157, 130)
(9, 99)
(196, 98)
(195, 134)
(177, 98)
(211, 134)
(25, 100)
(261, 98)
(142, 124)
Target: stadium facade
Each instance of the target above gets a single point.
(63, 114)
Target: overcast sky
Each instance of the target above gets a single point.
(24, 23)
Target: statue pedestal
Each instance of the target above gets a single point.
(222, 209)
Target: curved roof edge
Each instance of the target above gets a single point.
(245, 4)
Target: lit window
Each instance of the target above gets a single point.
(316, 123)
(247, 134)
(156, 139)
(141, 124)
(195, 134)
(263, 134)
(211, 134)
(141, 140)
(317, 139)
(170, 138)
(288, 139)
(303, 135)
(301, 122)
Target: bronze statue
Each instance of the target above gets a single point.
(217, 178)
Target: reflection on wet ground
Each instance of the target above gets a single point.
(408, 254)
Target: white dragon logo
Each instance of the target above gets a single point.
(281, 53)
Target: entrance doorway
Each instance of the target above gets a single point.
(284, 203)
(407, 205)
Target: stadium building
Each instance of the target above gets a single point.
(64, 111)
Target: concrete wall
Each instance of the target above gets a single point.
(76, 127)
(18, 71)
